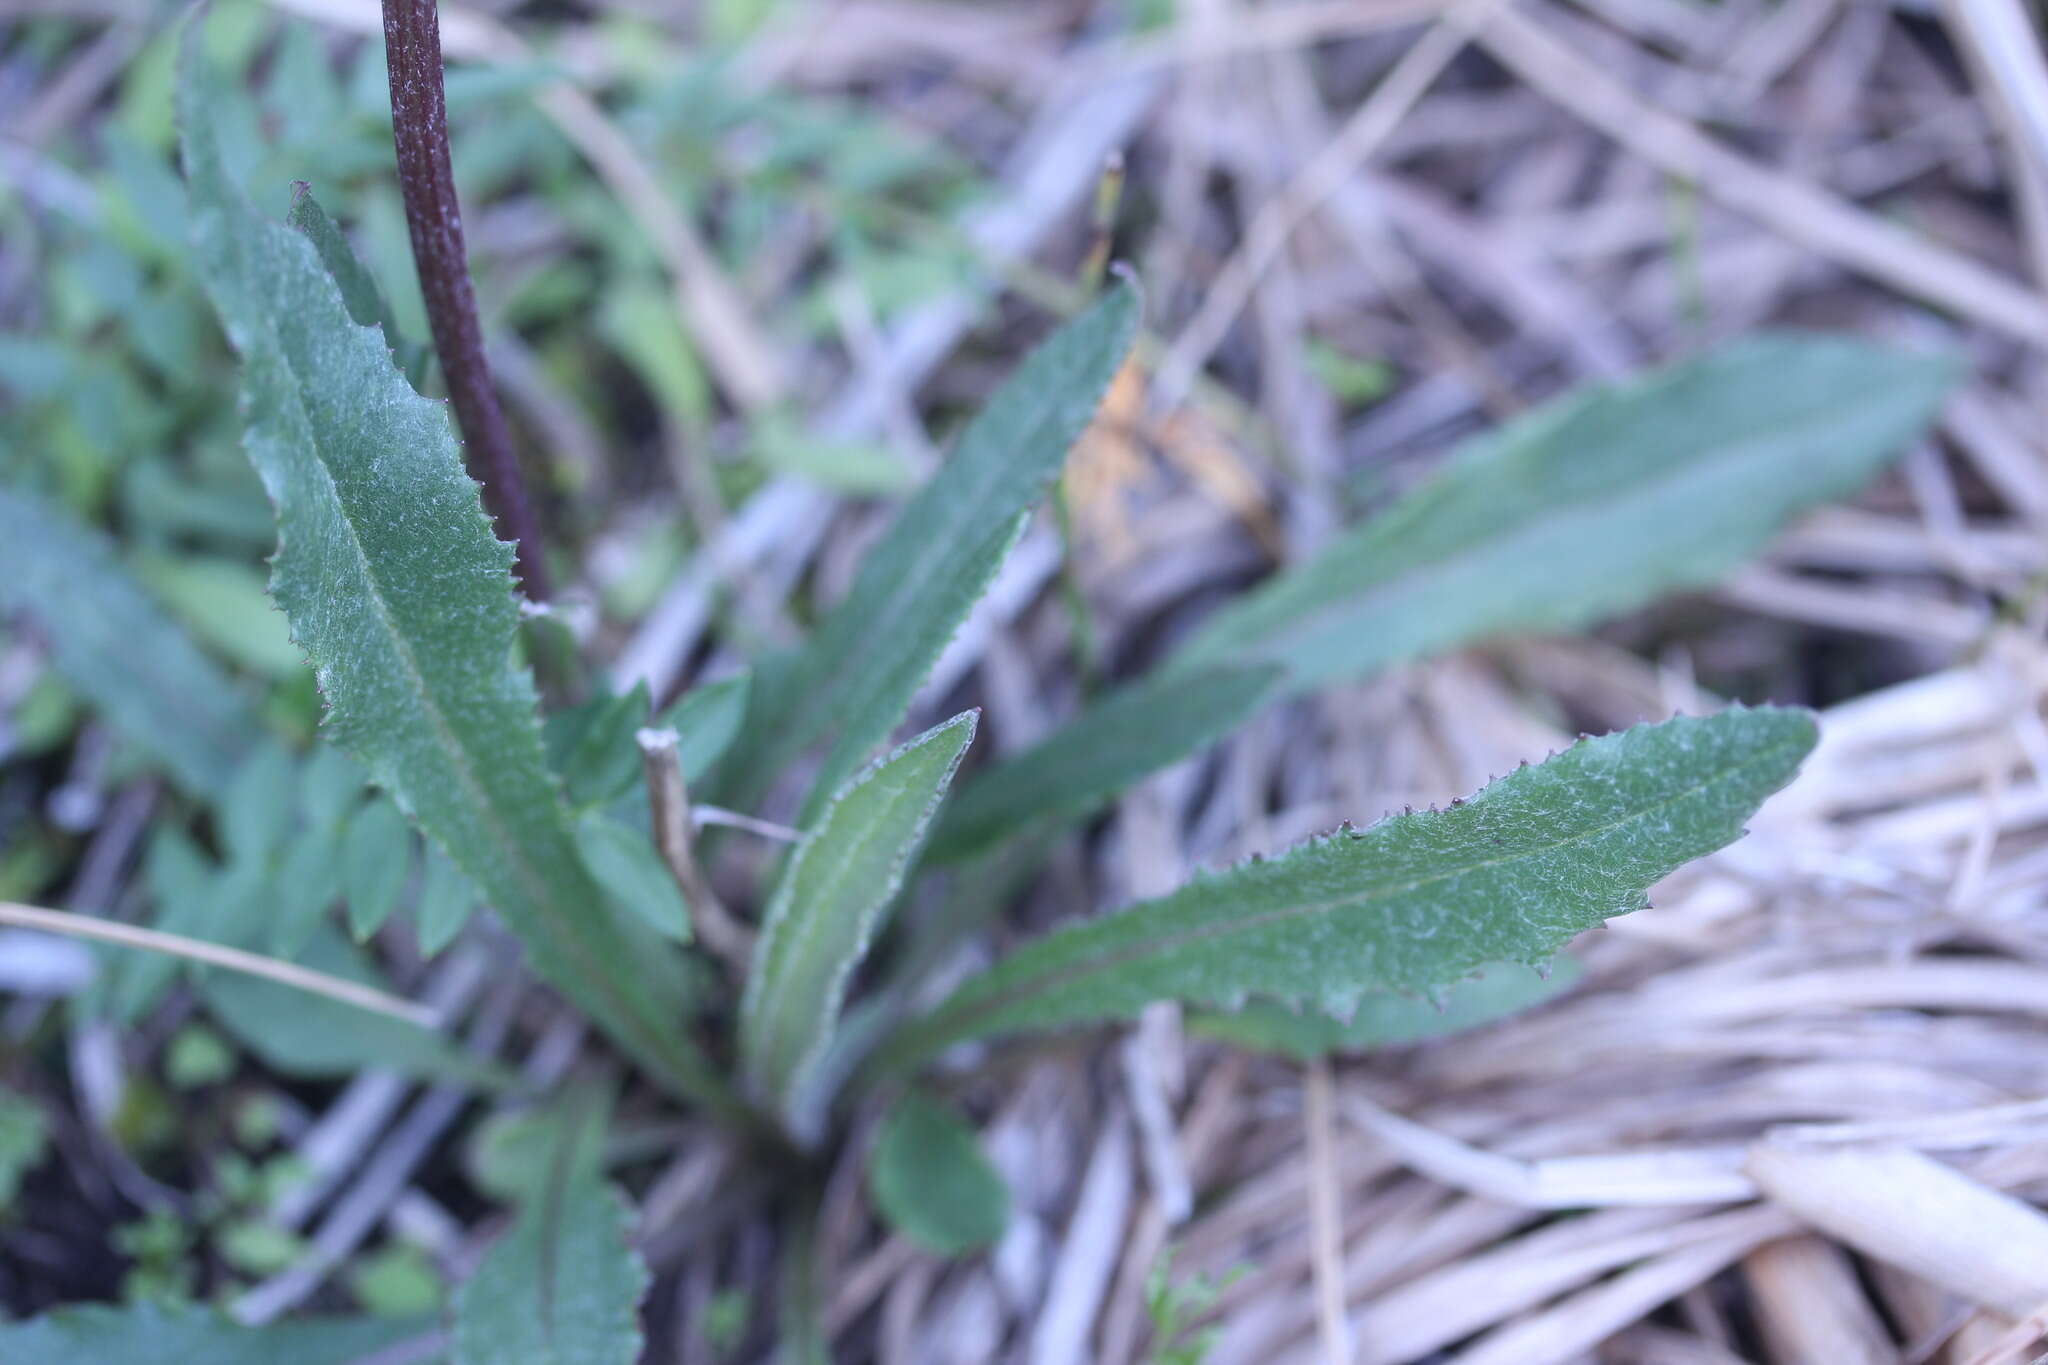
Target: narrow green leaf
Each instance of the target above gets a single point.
(150, 1333)
(592, 747)
(24, 1138)
(1592, 506)
(359, 291)
(624, 862)
(1387, 1019)
(519, 1155)
(376, 860)
(1414, 903)
(365, 302)
(875, 702)
(827, 908)
(858, 674)
(116, 646)
(330, 786)
(223, 603)
(707, 720)
(445, 901)
(177, 874)
(402, 597)
(308, 881)
(1129, 734)
(300, 1034)
(931, 1181)
(255, 811)
(563, 1285)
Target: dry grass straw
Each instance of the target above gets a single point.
(1797, 1112)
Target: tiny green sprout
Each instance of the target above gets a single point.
(727, 1315)
(1176, 1307)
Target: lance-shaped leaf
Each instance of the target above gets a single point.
(856, 677)
(1133, 732)
(402, 597)
(563, 1285)
(118, 648)
(826, 909)
(1590, 507)
(1414, 903)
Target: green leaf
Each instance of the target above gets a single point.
(258, 1248)
(624, 862)
(852, 468)
(223, 602)
(876, 701)
(197, 1056)
(151, 1333)
(330, 786)
(397, 1281)
(402, 598)
(446, 899)
(359, 291)
(116, 646)
(1591, 506)
(1134, 731)
(308, 881)
(563, 1285)
(376, 859)
(592, 747)
(707, 720)
(826, 910)
(1414, 903)
(255, 811)
(931, 1181)
(856, 677)
(177, 875)
(24, 1137)
(300, 1034)
(1387, 1019)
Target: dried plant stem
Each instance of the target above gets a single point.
(216, 955)
(419, 130)
(669, 800)
(1326, 1214)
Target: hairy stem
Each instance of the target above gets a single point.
(419, 127)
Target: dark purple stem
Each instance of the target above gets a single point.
(419, 126)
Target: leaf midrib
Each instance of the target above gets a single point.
(774, 982)
(1060, 977)
(920, 568)
(530, 877)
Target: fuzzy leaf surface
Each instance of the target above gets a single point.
(563, 1285)
(857, 675)
(402, 597)
(1413, 903)
(118, 648)
(828, 905)
(1590, 507)
(1129, 734)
